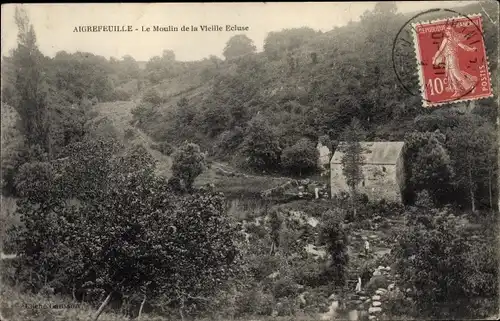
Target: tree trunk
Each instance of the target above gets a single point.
(181, 309)
(142, 306)
(471, 191)
(490, 187)
(103, 305)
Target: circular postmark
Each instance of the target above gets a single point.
(439, 54)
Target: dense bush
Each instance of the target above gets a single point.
(188, 163)
(164, 147)
(300, 158)
(335, 238)
(130, 237)
(152, 97)
(144, 112)
(426, 254)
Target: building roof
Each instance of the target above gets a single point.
(379, 153)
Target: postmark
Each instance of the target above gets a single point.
(451, 60)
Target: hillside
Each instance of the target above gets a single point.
(305, 83)
(118, 113)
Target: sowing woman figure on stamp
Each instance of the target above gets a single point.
(459, 82)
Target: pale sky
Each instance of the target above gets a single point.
(54, 24)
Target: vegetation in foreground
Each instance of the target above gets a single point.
(94, 223)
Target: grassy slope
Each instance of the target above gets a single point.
(119, 114)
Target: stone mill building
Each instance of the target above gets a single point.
(382, 170)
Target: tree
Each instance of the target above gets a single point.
(276, 222)
(30, 86)
(431, 168)
(335, 238)
(238, 46)
(300, 157)
(277, 44)
(215, 119)
(261, 146)
(128, 237)
(188, 162)
(168, 55)
(471, 145)
(352, 158)
(152, 96)
(429, 249)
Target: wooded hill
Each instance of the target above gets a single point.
(257, 110)
(305, 84)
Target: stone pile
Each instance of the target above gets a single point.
(298, 188)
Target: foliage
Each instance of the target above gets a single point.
(188, 163)
(275, 223)
(335, 238)
(445, 144)
(426, 253)
(352, 158)
(164, 147)
(261, 146)
(229, 141)
(278, 44)
(95, 245)
(144, 112)
(151, 96)
(30, 90)
(300, 157)
(430, 168)
(238, 46)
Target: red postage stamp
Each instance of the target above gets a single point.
(452, 62)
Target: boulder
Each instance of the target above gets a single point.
(377, 273)
(374, 310)
(376, 303)
(273, 275)
(302, 299)
(353, 315)
(391, 286)
(334, 297)
(376, 297)
(372, 317)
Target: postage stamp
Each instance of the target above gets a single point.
(451, 60)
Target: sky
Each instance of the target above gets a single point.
(54, 24)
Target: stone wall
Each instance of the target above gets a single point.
(380, 182)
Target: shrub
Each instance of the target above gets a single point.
(188, 163)
(126, 238)
(163, 147)
(474, 266)
(300, 158)
(309, 273)
(335, 238)
(254, 302)
(152, 97)
(286, 306)
(130, 134)
(144, 112)
(121, 95)
(376, 282)
(285, 287)
(261, 266)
